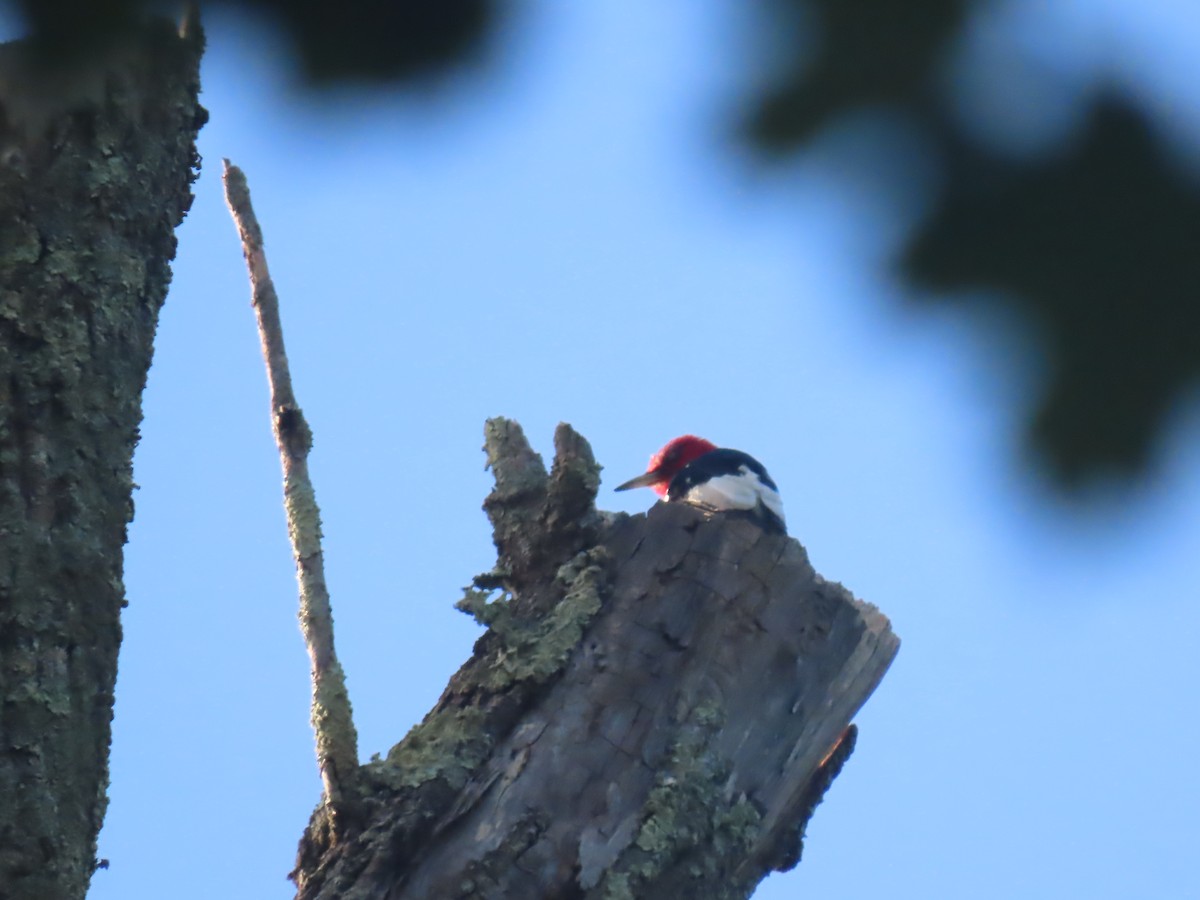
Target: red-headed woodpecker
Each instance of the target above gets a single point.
(696, 471)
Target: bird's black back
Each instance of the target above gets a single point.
(720, 462)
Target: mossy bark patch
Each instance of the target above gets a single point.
(98, 163)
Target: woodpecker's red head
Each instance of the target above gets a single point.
(667, 462)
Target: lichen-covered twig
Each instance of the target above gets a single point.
(333, 723)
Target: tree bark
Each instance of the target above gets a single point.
(96, 165)
(657, 706)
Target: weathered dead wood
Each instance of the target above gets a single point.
(332, 717)
(657, 706)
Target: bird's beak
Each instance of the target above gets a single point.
(649, 479)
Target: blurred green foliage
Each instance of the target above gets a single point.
(1095, 247)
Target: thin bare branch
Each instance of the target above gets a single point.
(333, 722)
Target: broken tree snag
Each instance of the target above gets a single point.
(657, 706)
(548, 582)
(332, 719)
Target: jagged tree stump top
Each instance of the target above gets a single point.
(658, 704)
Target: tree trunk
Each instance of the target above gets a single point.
(658, 705)
(96, 165)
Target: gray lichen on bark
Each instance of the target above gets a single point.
(685, 816)
(551, 581)
(97, 164)
(657, 706)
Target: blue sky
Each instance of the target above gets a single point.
(569, 234)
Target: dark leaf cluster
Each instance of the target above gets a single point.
(1092, 248)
